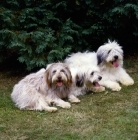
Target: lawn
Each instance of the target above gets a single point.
(100, 116)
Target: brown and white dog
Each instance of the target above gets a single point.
(39, 90)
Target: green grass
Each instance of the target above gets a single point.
(100, 116)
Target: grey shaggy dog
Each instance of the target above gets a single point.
(37, 91)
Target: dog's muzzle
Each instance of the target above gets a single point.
(115, 61)
(59, 81)
(96, 84)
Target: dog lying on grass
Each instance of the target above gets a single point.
(37, 91)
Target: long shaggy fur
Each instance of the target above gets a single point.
(39, 90)
(110, 62)
(86, 76)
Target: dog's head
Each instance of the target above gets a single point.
(110, 54)
(90, 78)
(59, 75)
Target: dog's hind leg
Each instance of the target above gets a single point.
(31, 99)
(42, 105)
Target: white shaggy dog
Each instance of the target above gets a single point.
(109, 59)
(86, 76)
(39, 90)
(110, 62)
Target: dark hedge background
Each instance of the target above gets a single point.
(37, 32)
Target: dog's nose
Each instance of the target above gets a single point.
(59, 77)
(100, 77)
(116, 57)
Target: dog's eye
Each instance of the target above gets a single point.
(92, 73)
(109, 51)
(54, 71)
(62, 71)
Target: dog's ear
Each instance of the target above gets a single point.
(69, 77)
(49, 65)
(48, 78)
(99, 58)
(79, 80)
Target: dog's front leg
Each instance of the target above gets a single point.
(98, 89)
(114, 86)
(91, 87)
(61, 103)
(125, 79)
(73, 99)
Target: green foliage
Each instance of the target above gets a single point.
(41, 32)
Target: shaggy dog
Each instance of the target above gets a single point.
(110, 62)
(39, 90)
(86, 76)
(109, 59)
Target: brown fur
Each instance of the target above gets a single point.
(49, 74)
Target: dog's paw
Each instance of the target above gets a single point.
(116, 88)
(127, 82)
(74, 100)
(65, 105)
(51, 109)
(99, 89)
